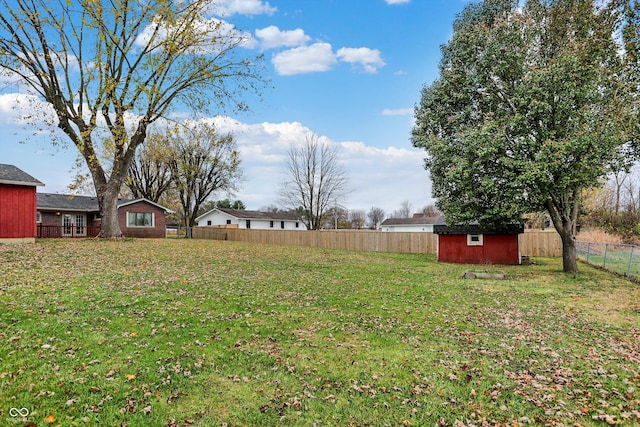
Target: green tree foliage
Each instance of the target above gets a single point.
(230, 204)
(532, 105)
(110, 69)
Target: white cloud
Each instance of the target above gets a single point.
(378, 176)
(369, 59)
(273, 37)
(382, 177)
(397, 112)
(244, 7)
(24, 110)
(318, 57)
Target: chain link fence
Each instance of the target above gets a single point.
(618, 258)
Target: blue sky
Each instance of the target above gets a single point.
(348, 71)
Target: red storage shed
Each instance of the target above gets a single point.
(472, 244)
(17, 205)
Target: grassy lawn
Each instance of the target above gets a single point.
(209, 333)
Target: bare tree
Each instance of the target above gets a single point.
(357, 218)
(109, 70)
(149, 174)
(375, 216)
(430, 210)
(203, 163)
(336, 217)
(405, 210)
(315, 180)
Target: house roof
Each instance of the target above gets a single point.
(256, 215)
(48, 201)
(12, 175)
(426, 220)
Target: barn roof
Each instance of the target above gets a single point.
(12, 175)
(441, 227)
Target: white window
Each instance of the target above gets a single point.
(474, 240)
(38, 217)
(140, 219)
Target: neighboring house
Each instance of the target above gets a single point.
(471, 244)
(61, 215)
(240, 218)
(417, 223)
(17, 205)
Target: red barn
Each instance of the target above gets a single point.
(471, 244)
(17, 205)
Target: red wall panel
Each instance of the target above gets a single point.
(496, 249)
(17, 211)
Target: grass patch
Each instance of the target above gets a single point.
(205, 333)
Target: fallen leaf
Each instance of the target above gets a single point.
(131, 377)
(50, 419)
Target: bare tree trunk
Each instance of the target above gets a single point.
(569, 258)
(109, 211)
(564, 215)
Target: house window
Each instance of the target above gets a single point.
(228, 222)
(209, 222)
(474, 240)
(270, 224)
(140, 219)
(297, 225)
(282, 224)
(38, 217)
(248, 223)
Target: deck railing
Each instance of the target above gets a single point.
(71, 231)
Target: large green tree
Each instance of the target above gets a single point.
(531, 106)
(110, 69)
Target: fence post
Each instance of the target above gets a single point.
(606, 250)
(630, 262)
(588, 251)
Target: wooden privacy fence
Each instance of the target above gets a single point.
(532, 243)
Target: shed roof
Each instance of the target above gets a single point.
(10, 174)
(441, 227)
